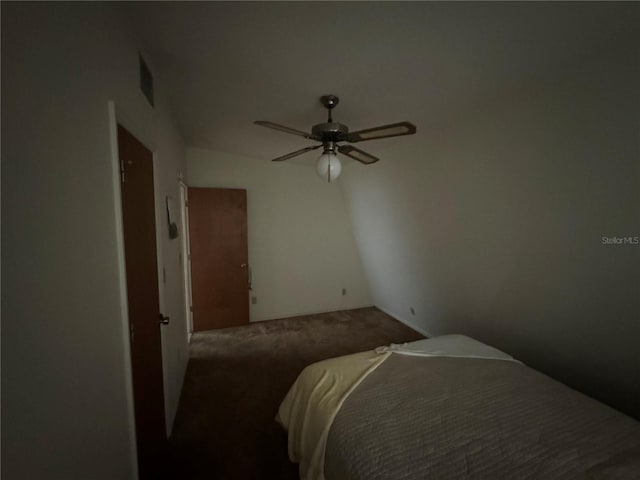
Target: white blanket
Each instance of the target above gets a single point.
(312, 403)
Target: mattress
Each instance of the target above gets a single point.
(450, 408)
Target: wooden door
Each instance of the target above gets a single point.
(219, 257)
(138, 214)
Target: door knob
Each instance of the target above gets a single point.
(164, 320)
(243, 265)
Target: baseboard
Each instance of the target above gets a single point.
(315, 312)
(406, 322)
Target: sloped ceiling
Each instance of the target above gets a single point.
(226, 64)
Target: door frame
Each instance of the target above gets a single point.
(186, 255)
(117, 116)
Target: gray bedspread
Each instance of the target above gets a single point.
(455, 418)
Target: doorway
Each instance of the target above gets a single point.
(219, 257)
(143, 300)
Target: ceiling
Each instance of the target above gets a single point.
(227, 64)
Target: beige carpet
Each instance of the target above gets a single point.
(236, 378)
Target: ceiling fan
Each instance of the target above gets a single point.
(331, 133)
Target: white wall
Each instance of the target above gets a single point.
(491, 225)
(66, 398)
(301, 247)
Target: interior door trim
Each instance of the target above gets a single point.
(117, 116)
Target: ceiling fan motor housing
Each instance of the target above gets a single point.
(330, 132)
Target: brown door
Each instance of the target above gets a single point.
(138, 214)
(219, 270)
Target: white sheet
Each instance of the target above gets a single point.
(447, 346)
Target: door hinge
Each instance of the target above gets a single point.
(131, 334)
(121, 171)
(191, 308)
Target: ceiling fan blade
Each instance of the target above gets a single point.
(294, 154)
(357, 154)
(282, 128)
(391, 130)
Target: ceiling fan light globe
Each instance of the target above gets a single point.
(328, 166)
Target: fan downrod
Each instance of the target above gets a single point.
(329, 102)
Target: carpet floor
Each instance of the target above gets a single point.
(237, 377)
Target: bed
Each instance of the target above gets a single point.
(450, 407)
